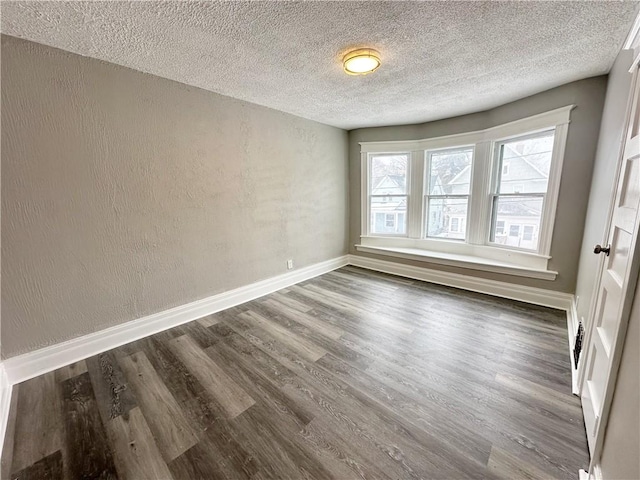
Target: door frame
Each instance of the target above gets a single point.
(632, 43)
(634, 71)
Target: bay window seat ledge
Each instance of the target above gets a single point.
(462, 261)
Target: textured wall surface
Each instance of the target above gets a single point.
(588, 96)
(612, 131)
(124, 194)
(440, 59)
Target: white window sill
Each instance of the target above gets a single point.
(458, 260)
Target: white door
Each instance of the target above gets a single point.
(617, 283)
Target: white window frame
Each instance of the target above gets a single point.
(476, 249)
(496, 178)
(366, 222)
(427, 196)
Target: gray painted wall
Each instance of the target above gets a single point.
(612, 131)
(124, 194)
(588, 95)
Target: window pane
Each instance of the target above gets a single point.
(389, 174)
(447, 218)
(528, 232)
(450, 172)
(517, 221)
(388, 215)
(525, 164)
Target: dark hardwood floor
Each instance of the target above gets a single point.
(353, 374)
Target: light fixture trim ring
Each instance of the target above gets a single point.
(361, 54)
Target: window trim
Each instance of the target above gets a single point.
(366, 185)
(426, 186)
(478, 222)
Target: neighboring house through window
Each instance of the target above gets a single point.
(495, 188)
(447, 195)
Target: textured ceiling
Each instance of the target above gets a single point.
(440, 59)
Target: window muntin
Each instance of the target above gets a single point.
(518, 198)
(481, 224)
(448, 185)
(388, 198)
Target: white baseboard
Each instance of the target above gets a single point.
(536, 296)
(572, 329)
(32, 364)
(23, 367)
(5, 403)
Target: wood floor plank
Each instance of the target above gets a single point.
(303, 347)
(302, 333)
(416, 451)
(383, 440)
(326, 329)
(198, 406)
(567, 403)
(49, 468)
(257, 384)
(135, 451)
(171, 429)
(197, 464)
(113, 395)
(352, 374)
(218, 455)
(233, 399)
(202, 335)
(281, 297)
(410, 401)
(70, 371)
(9, 438)
(208, 321)
(90, 455)
(509, 467)
(342, 448)
(39, 410)
(276, 446)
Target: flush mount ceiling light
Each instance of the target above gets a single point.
(361, 61)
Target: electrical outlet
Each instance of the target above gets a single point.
(289, 264)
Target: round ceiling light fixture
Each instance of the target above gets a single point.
(361, 61)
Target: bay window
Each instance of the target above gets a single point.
(482, 200)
